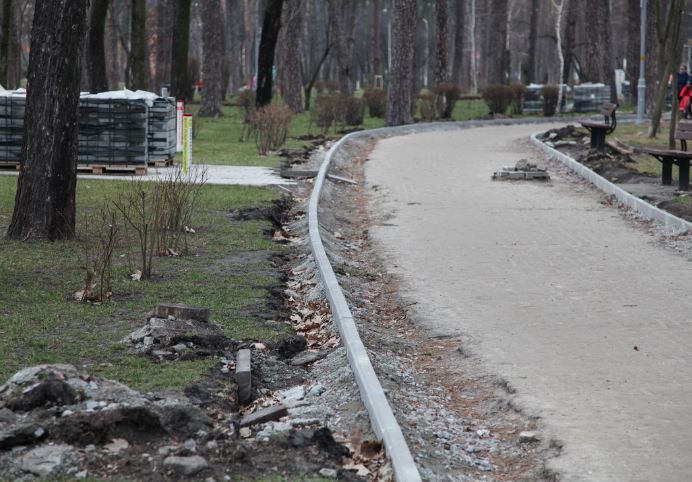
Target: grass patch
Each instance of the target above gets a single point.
(228, 270)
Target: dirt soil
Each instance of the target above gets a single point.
(460, 424)
(619, 169)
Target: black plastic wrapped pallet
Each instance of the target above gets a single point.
(162, 129)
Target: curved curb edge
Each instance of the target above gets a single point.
(672, 224)
(381, 416)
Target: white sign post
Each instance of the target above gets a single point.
(180, 111)
(187, 143)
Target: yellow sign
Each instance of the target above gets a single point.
(187, 143)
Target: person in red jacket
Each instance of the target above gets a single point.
(685, 97)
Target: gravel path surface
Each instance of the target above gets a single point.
(581, 311)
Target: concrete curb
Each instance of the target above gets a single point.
(672, 224)
(381, 416)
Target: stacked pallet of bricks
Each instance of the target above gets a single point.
(12, 106)
(113, 133)
(590, 97)
(533, 99)
(162, 131)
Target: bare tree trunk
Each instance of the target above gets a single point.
(235, 42)
(45, 201)
(14, 56)
(270, 34)
(290, 70)
(533, 41)
(559, 7)
(342, 21)
(164, 24)
(441, 70)
(5, 42)
(598, 63)
(569, 42)
(401, 76)
(459, 43)
(138, 46)
(212, 63)
(472, 35)
(633, 43)
(180, 83)
(497, 63)
(96, 53)
(668, 33)
(375, 42)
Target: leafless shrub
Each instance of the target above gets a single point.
(271, 126)
(102, 235)
(351, 110)
(498, 98)
(427, 107)
(325, 111)
(376, 99)
(550, 94)
(331, 86)
(518, 93)
(180, 195)
(448, 94)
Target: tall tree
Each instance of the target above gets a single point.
(401, 76)
(633, 41)
(180, 83)
(375, 41)
(45, 201)
(138, 44)
(96, 53)
(598, 64)
(532, 61)
(165, 10)
(440, 71)
(569, 42)
(212, 62)
(342, 20)
(7, 12)
(668, 33)
(498, 60)
(265, 65)
(459, 42)
(559, 6)
(290, 68)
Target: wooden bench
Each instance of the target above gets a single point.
(599, 130)
(668, 157)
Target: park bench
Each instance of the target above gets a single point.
(599, 130)
(668, 157)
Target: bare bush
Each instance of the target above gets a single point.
(448, 94)
(518, 94)
(498, 98)
(271, 126)
(351, 110)
(324, 111)
(550, 95)
(101, 239)
(427, 107)
(376, 99)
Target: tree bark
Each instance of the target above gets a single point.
(5, 42)
(342, 21)
(598, 65)
(45, 201)
(401, 77)
(164, 41)
(96, 53)
(533, 41)
(267, 48)
(633, 43)
(375, 42)
(498, 58)
(180, 83)
(668, 33)
(459, 42)
(569, 41)
(440, 72)
(290, 68)
(138, 45)
(212, 63)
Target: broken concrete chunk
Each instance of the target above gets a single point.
(182, 312)
(528, 437)
(308, 357)
(243, 376)
(186, 465)
(268, 414)
(47, 460)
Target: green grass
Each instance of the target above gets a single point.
(40, 323)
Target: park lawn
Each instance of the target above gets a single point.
(227, 270)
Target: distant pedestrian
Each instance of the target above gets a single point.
(682, 77)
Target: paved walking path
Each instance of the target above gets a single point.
(552, 291)
(228, 175)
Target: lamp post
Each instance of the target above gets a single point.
(641, 86)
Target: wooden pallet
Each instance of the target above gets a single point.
(160, 162)
(10, 165)
(113, 169)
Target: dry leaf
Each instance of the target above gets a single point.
(361, 470)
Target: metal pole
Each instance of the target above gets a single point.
(641, 86)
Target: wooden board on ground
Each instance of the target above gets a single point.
(10, 165)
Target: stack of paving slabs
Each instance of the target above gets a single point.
(162, 131)
(523, 170)
(12, 106)
(590, 97)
